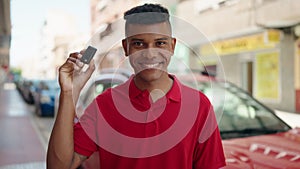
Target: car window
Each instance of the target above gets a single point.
(242, 112)
(239, 114)
(96, 90)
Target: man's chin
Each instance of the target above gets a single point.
(151, 74)
(152, 71)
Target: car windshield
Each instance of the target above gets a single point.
(239, 114)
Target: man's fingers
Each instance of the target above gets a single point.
(73, 57)
(91, 67)
(78, 62)
(89, 71)
(74, 61)
(71, 60)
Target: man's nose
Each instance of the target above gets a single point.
(150, 52)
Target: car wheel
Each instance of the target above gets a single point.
(30, 99)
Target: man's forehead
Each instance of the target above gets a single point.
(149, 36)
(162, 28)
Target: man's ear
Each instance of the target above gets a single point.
(173, 44)
(124, 44)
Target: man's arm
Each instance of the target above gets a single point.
(61, 145)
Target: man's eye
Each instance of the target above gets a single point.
(138, 44)
(161, 43)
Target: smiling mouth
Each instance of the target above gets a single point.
(151, 65)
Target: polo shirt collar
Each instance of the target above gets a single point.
(173, 94)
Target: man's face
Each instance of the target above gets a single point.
(149, 48)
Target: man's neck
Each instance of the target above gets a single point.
(157, 88)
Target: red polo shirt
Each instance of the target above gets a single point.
(130, 131)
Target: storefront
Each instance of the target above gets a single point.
(261, 63)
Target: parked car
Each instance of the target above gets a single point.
(44, 97)
(27, 88)
(97, 85)
(253, 136)
(292, 119)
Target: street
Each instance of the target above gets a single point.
(24, 136)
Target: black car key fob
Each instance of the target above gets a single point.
(88, 54)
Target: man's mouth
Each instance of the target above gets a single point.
(151, 65)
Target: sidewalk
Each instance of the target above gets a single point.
(20, 143)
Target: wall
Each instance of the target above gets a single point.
(5, 37)
(287, 102)
(231, 68)
(242, 17)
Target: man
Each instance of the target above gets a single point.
(150, 122)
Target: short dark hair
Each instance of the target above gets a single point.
(147, 14)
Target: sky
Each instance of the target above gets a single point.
(28, 17)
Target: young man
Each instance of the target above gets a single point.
(150, 122)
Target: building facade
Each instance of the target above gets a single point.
(253, 43)
(5, 38)
(57, 42)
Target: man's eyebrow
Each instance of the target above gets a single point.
(158, 39)
(136, 39)
(165, 38)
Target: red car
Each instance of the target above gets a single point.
(253, 136)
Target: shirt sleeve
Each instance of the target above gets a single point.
(85, 132)
(208, 151)
(209, 154)
(83, 144)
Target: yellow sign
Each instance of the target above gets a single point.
(264, 40)
(267, 76)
